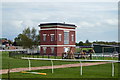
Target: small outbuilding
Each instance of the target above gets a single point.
(102, 48)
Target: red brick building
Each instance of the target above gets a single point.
(57, 38)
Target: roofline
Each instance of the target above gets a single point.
(85, 46)
(56, 24)
(107, 45)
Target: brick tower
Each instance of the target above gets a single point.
(56, 38)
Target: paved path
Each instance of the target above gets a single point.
(4, 71)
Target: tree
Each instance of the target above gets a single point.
(28, 38)
(80, 43)
(87, 41)
(17, 40)
(37, 40)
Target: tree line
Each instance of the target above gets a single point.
(29, 39)
(87, 43)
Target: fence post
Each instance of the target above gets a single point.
(78, 56)
(8, 70)
(29, 63)
(55, 55)
(33, 55)
(48, 55)
(43, 56)
(52, 66)
(119, 56)
(81, 71)
(62, 55)
(113, 69)
(9, 54)
(90, 55)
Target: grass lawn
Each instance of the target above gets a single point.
(97, 71)
(18, 63)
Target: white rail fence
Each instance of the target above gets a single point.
(81, 67)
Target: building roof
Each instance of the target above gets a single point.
(106, 45)
(63, 24)
(84, 46)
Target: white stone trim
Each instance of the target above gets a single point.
(58, 29)
(59, 34)
(52, 34)
(57, 45)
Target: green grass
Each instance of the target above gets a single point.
(97, 71)
(18, 63)
(105, 58)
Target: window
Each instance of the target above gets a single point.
(52, 37)
(44, 37)
(44, 49)
(60, 37)
(72, 37)
(66, 37)
(52, 49)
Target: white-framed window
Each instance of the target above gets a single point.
(44, 49)
(52, 37)
(66, 37)
(72, 37)
(52, 49)
(44, 37)
(60, 37)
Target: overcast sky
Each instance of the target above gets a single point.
(94, 20)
